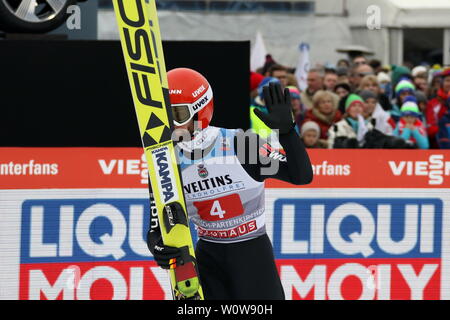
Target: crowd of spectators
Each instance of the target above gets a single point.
(362, 104)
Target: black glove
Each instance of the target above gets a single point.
(162, 253)
(280, 115)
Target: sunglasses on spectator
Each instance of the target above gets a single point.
(363, 74)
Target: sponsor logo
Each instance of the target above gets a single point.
(230, 233)
(207, 184)
(126, 167)
(328, 169)
(175, 91)
(29, 168)
(359, 248)
(88, 249)
(267, 150)
(358, 227)
(435, 168)
(202, 172)
(165, 173)
(199, 91)
(136, 39)
(201, 103)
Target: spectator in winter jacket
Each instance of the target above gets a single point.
(403, 89)
(324, 112)
(310, 134)
(370, 82)
(298, 109)
(352, 126)
(421, 83)
(255, 80)
(422, 101)
(343, 90)
(443, 135)
(384, 82)
(256, 124)
(410, 128)
(435, 83)
(437, 107)
(373, 112)
(398, 73)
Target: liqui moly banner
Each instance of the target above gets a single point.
(374, 224)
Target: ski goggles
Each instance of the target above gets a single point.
(183, 112)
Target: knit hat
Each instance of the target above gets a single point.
(352, 99)
(383, 77)
(420, 96)
(410, 108)
(367, 94)
(398, 72)
(445, 73)
(404, 86)
(265, 82)
(418, 70)
(255, 80)
(410, 99)
(295, 93)
(310, 125)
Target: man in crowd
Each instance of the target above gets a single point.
(330, 80)
(279, 72)
(315, 80)
(357, 73)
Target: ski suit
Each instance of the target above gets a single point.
(223, 177)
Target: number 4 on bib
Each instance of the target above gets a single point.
(222, 208)
(216, 210)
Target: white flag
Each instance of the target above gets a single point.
(259, 53)
(301, 72)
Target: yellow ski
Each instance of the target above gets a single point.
(142, 48)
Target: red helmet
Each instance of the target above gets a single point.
(190, 94)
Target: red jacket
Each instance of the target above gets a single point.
(433, 118)
(324, 126)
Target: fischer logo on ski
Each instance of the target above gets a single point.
(144, 59)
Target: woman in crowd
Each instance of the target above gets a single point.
(352, 126)
(324, 112)
(370, 82)
(343, 90)
(373, 112)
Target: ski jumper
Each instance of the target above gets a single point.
(225, 200)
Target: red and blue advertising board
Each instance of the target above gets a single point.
(374, 224)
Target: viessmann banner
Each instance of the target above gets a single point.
(374, 224)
